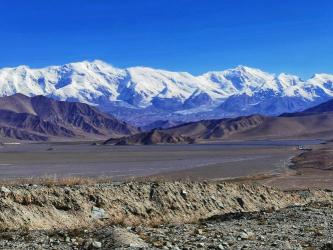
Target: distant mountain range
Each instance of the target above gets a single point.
(143, 95)
(313, 123)
(40, 118)
(321, 108)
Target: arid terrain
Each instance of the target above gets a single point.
(164, 190)
(310, 169)
(164, 215)
(228, 196)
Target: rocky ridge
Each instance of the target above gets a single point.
(149, 203)
(152, 137)
(40, 118)
(164, 215)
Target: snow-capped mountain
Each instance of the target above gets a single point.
(143, 95)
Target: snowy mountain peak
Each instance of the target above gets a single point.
(246, 69)
(146, 93)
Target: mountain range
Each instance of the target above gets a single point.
(41, 118)
(142, 95)
(315, 122)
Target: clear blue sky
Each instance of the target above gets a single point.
(293, 36)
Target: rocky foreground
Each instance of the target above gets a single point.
(164, 215)
(308, 227)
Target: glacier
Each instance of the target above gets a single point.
(141, 95)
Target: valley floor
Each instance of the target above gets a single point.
(198, 161)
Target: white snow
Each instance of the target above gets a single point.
(99, 83)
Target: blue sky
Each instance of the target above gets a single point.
(294, 36)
